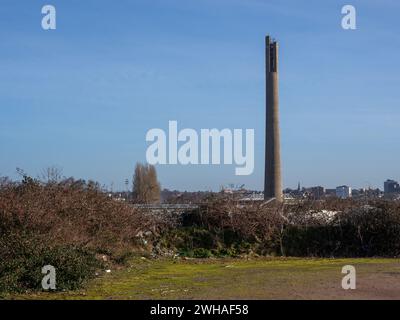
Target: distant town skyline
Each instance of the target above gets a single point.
(83, 96)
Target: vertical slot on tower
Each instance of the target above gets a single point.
(272, 57)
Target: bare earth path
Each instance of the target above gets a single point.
(261, 278)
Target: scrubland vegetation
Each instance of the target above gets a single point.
(74, 226)
(71, 225)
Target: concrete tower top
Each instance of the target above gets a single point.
(271, 47)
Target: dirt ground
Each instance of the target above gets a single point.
(260, 278)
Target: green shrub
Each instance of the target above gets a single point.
(201, 253)
(200, 242)
(226, 252)
(186, 253)
(23, 257)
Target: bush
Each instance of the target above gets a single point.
(201, 253)
(64, 224)
(304, 229)
(22, 259)
(360, 231)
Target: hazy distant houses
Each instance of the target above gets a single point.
(391, 190)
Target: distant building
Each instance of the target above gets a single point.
(316, 192)
(343, 192)
(330, 192)
(391, 186)
(358, 193)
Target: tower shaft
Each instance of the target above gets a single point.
(272, 179)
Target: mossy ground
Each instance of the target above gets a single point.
(259, 278)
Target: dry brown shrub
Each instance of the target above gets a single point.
(71, 213)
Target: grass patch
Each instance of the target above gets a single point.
(263, 278)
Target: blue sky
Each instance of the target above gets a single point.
(83, 96)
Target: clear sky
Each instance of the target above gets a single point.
(83, 96)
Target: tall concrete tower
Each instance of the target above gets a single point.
(273, 179)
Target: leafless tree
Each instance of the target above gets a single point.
(51, 175)
(146, 188)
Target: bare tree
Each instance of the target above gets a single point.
(146, 188)
(51, 175)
